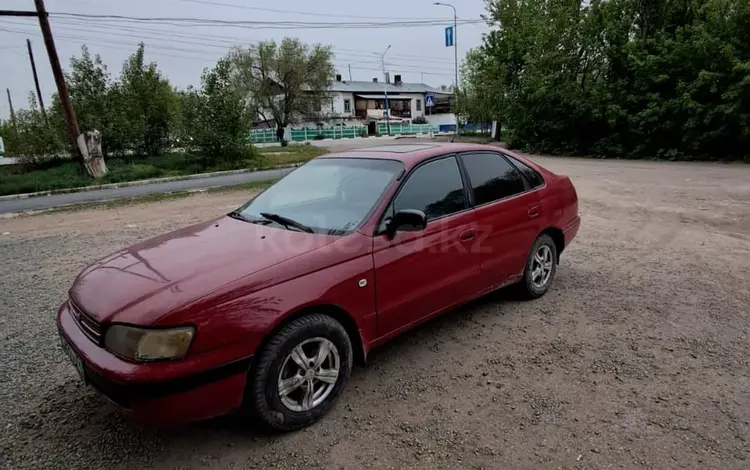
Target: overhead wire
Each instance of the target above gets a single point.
(341, 56)
(201, 54)
(254, 24)
(291, 12)
(211, 41)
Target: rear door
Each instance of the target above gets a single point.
(421, 273)
(508, 215)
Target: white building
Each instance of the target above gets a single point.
(365, 101)
(357, 103)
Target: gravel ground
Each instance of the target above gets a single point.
(637, 358)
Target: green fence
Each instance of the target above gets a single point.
(408, 129)
(260, 136)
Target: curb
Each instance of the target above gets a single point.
(124, 184)
(179, 192)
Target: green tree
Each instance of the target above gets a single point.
(29, 138)
(216, 121)
(145, 105)
(91, 93)
(618, 77)
(283, 82)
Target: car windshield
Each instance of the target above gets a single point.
(327, 195)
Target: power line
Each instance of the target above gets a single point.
(251, 24)
(301, 13)
(350, 57)
(234, 41)
(208, 37)
(203, 55)
(229, 41)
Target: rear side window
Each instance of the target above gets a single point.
(492, 177)
(534, 178)
(435, 188)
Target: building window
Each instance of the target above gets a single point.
(347, 106)
(419, 105)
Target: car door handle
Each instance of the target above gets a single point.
(467, 236)
(534, 212)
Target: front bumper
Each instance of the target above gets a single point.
(160, 393)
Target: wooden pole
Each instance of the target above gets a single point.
(62, 88)
(12, 113)
(36, 81)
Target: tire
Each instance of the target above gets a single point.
(531, 286)
(295, 409)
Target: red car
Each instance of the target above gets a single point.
(267, 308)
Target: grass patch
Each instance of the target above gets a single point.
(272, 156)
(59, 174)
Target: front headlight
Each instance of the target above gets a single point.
(142, 344)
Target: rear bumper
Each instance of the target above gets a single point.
(163, 394)
(571, 229)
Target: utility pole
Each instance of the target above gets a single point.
(350, 72)
(62, 88)
(385, 90)
(12, 113)
(455, 55)
(36, 80)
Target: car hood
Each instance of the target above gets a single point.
(145, 281)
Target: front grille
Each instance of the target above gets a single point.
(88, 325)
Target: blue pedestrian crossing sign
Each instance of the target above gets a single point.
(429, 101)
(449, 36)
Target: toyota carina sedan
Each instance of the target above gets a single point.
(266, 309)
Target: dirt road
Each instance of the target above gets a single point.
(639, 357)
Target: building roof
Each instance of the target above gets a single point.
(346, 86)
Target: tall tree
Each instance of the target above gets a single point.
(284, 82)
(629, 78)
(216, 121)
(146, 105)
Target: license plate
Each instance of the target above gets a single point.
(74, 358)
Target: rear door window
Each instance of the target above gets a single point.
(535, 179)
(492, 177)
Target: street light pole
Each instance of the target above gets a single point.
(455, 56)
(385, 90)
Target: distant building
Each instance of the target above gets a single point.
(365, 101)
(357, 103)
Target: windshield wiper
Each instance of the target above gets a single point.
(286, 221)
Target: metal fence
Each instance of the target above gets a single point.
(260, 136)
(408, 129)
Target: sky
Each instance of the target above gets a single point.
(183, 51)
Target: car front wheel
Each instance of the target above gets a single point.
(541, 266)
(300, 373)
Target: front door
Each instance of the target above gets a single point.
(422, 273)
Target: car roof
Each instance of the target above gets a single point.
(409, 154)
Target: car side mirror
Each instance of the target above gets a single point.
(406, 220)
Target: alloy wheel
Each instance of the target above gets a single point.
(541, 266)
(309, 374)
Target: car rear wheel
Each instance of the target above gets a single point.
(300, 373)
(540, 270)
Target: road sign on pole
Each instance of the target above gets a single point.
(429, 101)
(449, 36)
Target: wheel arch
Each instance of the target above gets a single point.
(334, 311)
(558, 237)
